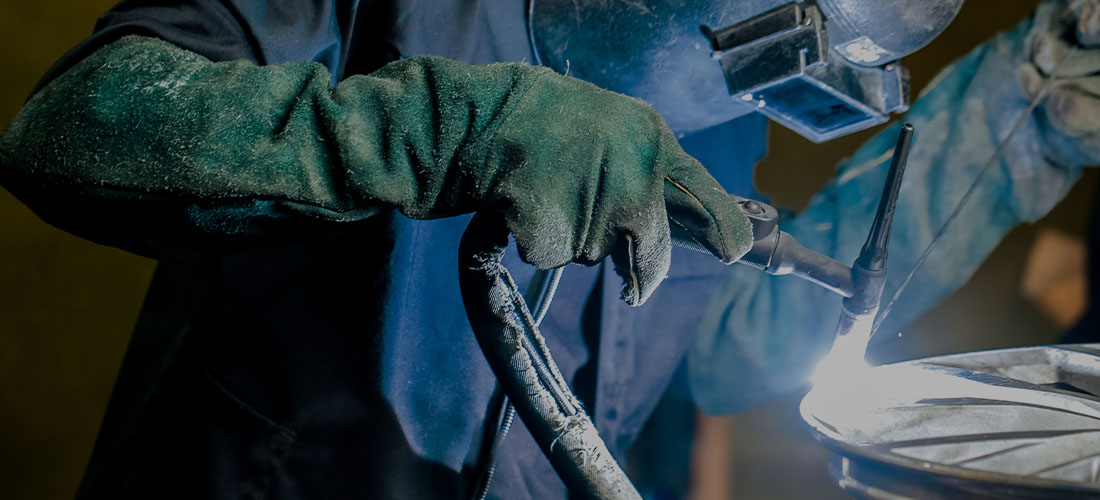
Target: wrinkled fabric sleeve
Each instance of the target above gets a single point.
(272, 32)
(161, 152)
(762, 335)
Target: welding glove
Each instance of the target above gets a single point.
(155, 149)
(1064, 66)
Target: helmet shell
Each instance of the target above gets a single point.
(656, 51)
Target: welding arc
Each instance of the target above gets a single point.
(942, 231)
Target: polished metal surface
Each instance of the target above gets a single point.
(1013, 423)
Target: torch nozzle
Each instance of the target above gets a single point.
(873, 255)
(857, 315)
(778, 253)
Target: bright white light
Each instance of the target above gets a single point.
(845, 361)
(840, 368)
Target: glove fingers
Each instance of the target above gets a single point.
(642, 255)
(1030, 79)
(545, 233)
(698, 207)
(687, 220)
(1056, 58)
(1088, 25)
(1066, 30)
(1032, 82)
(1074, 112)
(1088, 86)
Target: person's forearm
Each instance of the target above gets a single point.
(763, 335)
(155, 149)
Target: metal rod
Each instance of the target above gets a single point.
(873, 255)
(869, 270)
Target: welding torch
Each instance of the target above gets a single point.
(778, 253)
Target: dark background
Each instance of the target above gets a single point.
(67, 306)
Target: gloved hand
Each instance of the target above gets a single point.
(152, 148)
(1064, 45)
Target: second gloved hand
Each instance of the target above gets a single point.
(1063, 69)
(153, 148)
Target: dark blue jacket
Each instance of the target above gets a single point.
(345, 367)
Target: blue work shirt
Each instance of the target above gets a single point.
(345, 366)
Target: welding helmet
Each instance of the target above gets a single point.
(823, 68)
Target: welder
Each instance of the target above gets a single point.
(304, 171)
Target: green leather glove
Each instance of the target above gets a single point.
(1064, 47)
(155, 149)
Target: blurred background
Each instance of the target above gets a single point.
(67, 306)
